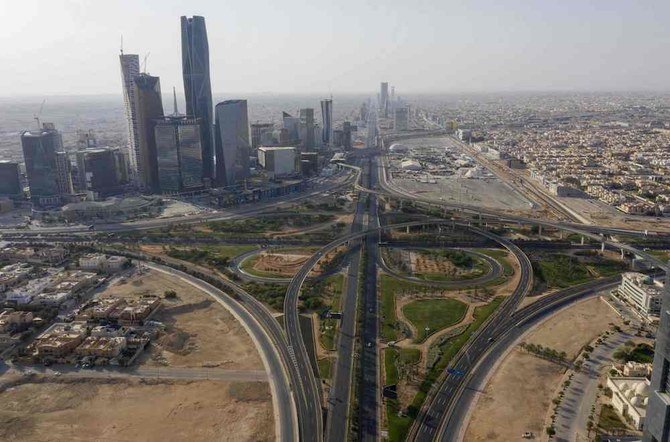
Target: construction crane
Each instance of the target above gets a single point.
(36, 116)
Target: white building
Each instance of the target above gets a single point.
(102, 262)
(642, 292)
(629, 398)
(277, 161)
(410, 165)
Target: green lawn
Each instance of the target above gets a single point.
(325, 368)
(248, 266)
(217, 256)
(390, 287)
(449, 349)
(390, 367)
(609, 421)
(434, 314)
(561, 270)
(410, 356)
(332, 292)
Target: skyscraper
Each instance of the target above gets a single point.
(347, 141)
(197, 87)
(231, 135)
(148, 108)
(307, 123)
(401, 119)
(327, 117)
(46, 165)
(130, 68)
(657, 420)
(101, 170)
(179, 153)
(384, 100)
(10, 183)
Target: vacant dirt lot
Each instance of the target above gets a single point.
(136, 410)
(283, 264)
(518, 395)
(199, 331)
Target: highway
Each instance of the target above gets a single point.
(442, 397)
(339, 397)
(369, 389)
(261, 327)
(515, 328)
(316, 187)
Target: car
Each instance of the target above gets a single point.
(369, 344)
(491, 339)
(527, 435)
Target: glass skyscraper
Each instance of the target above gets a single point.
(148, 108)
(197, 86)
(327, 117)
(179, 154)
(47, 166)
(232, 140)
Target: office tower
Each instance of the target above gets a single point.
(401, 119)
(180, 164)
(259, 134)
(307, 123)
(46, 165)
(198, 89)
(130, 68)
(231, 136)
(363, 113)
(292, 125)
(148, 108)
(327, 117)
(347, 142)
(384, 100)
(98, 170)
(657, 420)
(10, 182)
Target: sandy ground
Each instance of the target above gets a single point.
(199, 331)
(283, 264)
(137, 410)
(518, 395)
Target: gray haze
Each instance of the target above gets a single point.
(296, 46)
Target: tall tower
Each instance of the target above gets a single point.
(231, 134)
(327, 117)
(197, 86)
(148, 109)
(384, 100)
(130, 68)
(46, 165)
(657, 420)
(307, 122)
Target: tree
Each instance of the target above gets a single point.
(170, 294)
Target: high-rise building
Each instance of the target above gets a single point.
(401, 119)
(46, 165)
(180, 165)
(347, 141)
(384, 100)
(292, 126)
(327, 118)
(231, 136)
(10, 181)
(259, 134)
(148, 109)
(657, 420)
(130, 68)
(278, 161)
(307, 123)
(198, 88)
(101, 170)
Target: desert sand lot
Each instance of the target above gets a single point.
(199, 331)
(518, 395)
(134, 410)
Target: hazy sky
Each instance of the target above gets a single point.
(71, 47)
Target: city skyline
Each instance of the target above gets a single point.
(427, 47)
